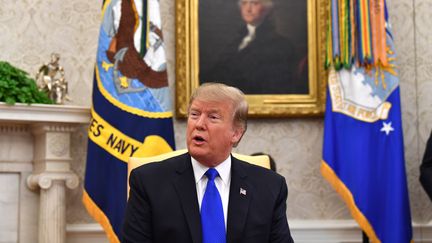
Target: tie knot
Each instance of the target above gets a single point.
(211, 174)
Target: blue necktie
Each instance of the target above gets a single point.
(212, 215)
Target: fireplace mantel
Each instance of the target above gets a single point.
(35, 168)
(39, 113)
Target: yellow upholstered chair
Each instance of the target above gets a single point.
(261, 160)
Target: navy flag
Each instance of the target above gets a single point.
(131, 112)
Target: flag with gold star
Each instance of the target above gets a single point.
(363, 151)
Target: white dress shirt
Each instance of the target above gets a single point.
(222, 182)
(248, 38)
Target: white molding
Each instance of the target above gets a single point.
(325, 231)
(83, 228)
(35, 113)
(303, 231)
(422, 232)
(88, 233)
(14, 166)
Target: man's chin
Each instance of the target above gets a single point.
(197, 152)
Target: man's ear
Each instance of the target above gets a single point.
(237, 135)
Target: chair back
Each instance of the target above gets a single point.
(134, 162)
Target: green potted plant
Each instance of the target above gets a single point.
(17, 86)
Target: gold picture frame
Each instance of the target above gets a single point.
(265, 105)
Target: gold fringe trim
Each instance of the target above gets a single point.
(348, 198)
(100, 217)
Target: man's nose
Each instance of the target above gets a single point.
(201, 122)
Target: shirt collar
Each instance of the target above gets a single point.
(224, 170)
(251, 29)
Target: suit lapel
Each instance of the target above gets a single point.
(186, 191)
(239, 200)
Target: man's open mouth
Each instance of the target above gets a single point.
(199, 139)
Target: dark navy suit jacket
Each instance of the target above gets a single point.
(163, 205)
(426, 168)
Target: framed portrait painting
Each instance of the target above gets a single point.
(272, 50)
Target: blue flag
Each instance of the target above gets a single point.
(131, 112)
(363, 152)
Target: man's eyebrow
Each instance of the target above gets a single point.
(214, 110)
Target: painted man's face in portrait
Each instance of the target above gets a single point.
(253, 11)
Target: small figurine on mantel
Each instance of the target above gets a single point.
(50, 79)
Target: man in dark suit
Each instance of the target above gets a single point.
(426, 168)
(170, 200)
(259, 60)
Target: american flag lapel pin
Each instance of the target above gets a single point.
(242, 192)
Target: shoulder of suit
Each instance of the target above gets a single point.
(258, 170)
(164, 165)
